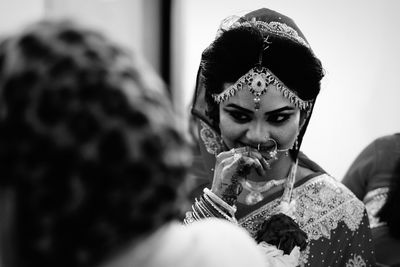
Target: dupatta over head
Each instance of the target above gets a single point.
(276, 30)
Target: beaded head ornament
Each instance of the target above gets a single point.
(259, 79)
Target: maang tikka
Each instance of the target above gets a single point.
(258, 80)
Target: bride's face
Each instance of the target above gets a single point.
(242, 125)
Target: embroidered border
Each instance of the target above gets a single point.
(357, 261)
(210, 138)
(374, 201)
(331, 203)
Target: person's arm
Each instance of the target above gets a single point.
(361, 171)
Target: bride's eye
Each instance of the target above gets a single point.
(279, 118)
(239, 116)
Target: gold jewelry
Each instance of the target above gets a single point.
(217, 200)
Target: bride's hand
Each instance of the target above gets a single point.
(230, 169)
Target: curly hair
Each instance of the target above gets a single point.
(237, 50)
(88, 146)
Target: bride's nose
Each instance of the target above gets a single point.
(257, 133)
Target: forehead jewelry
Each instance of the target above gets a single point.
(258, 81)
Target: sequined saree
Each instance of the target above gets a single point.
(334, 220)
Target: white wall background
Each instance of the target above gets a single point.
(17, 13)
(126, 21)
(358, 43)
(131, 23)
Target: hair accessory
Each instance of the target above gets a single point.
(265, 46)
(272, 27)
(258, 81)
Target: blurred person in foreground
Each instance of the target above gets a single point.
(374, 177)
(92, 164)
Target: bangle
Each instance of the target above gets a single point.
(217, 200)
(226, 216)
(195, 214)
(213, 212)
(204, 207)
(200, 209)
(188, 218)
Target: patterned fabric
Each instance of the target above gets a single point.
(210, 138)
(335, 221)
(374, 201)
(357, 261)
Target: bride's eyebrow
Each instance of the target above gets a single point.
(279, 110)
(285, 108)
(231, 105)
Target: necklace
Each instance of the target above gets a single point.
(255, 194)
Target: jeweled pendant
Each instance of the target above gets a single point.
(257, 103)
(253, 198)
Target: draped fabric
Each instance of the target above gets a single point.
(334, 219)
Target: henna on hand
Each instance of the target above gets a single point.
(232, 191)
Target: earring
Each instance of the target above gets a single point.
(296, 144)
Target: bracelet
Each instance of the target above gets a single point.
(188, 218)
(200, 209)
(209, 207)
(196, 216)
(217, 200)
(226, 216)
(205, 208)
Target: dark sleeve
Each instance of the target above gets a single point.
(361, 171)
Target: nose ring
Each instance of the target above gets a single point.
(274, 144)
